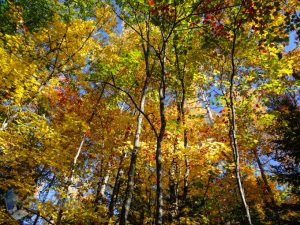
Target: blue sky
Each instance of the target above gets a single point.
(292, 45)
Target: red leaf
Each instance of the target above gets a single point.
(151, 2)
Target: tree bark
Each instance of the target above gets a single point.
(173, 190)
(100, 187)
(181, 120)
(70, 181)
(206, 106)
(131, 172)
(136, 147)
(173, 181)
(116, 187)
(232, 134)
(163, 123)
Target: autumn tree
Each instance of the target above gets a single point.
(148, 112)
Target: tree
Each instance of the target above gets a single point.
(148, 112)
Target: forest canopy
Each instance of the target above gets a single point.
(149, 112)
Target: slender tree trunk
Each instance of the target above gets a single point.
(206, 106)
(136, 147)
(101, 186)
(149, 200)
(237, 169)
(70, 181)
(182, 122)
(186, 181)
(105, 182)
(173, 190)
(264, 177)
(270, 194)
(71, 178)
(99, 172)
(184, 201)
(131, 172)
(186, 159)
(233, 138)
(159, 193)
(163, 123)
(206, 190)
(173, 182)
(116, 187)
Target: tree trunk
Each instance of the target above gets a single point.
(206, 106)
(270, 194)
(182, 122)
(101, 186)
(136, 147)
(186, 160)
(70, 181)
(104, 184)
(116, 187)
(185, 180)
(233, 138)
(264, 177)
(158, 157)
(173, 190)
(131, 172)
(173, 182)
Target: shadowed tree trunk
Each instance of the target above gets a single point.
(270, 195)
(178, 206)
(116, 187)
(163, 123)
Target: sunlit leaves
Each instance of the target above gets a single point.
(72, 74)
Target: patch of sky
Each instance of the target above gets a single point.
(292, 42)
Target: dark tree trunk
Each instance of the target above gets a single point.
(116, 187)
(270, 195)
(163, 123)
